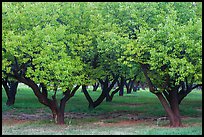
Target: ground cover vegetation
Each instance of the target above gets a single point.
(138, 113)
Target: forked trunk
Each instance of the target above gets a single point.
(174, 118)
(95, 86)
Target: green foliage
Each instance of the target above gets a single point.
(43, 44)
(170, 42)
(78, 43)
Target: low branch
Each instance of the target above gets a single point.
(196, 86)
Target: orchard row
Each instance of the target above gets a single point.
(51, 46)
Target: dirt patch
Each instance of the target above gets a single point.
(117, 118)
(120, 123)
(108, 115)
(42, 115)
(105, 119)
(129, 104)
(76, 115)
(13, 121)
(122, 115)
(37, 116)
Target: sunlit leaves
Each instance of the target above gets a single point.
(173, 45)
(70, 43)
(41, 41)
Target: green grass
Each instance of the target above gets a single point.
(141, 104)
(40, 128)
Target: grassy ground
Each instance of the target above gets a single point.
(134, 114)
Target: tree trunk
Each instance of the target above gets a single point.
(104, 94)
(172, 110)
(58, 115)
(174, 104)
(175, 121)
(12, 97)
(105, 91)
(60, 118)
(44, 89)
(131, 85)
(110, 87)
(99, 100)
(121, 86)
(108, 98)
(93, 104)
(127, 85)
(114, 92)
(11, 89)
(95, 86)
(88, 97)
(184, 92)
(57, 111)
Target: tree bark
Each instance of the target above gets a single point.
(171, 108)
(113, 93)
(106, 88)
(44, 89)
(173, 97)
(128, 86)
(67, 95)
(11, 89)
(99, 100)
(131, 85)
(121, 86)
(95, 86)
(43, 99)
(175, 120)
(88, 97)
(58, 114)
(152, 88)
